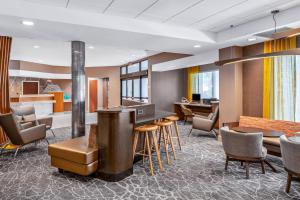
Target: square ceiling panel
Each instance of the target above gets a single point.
(130, 8)
(203, 11)
(89, 5)
(165, 9)
(57, 3)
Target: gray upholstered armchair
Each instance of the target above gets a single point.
(244, 147)
(18, 135)
(206, 124)
(290, 152)
(27, 114)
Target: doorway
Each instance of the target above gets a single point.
(98, 93)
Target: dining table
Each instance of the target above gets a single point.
(266, 132)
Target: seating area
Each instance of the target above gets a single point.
(150, 99)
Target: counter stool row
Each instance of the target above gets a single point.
(164, 130)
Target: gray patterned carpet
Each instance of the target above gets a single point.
(198, 173)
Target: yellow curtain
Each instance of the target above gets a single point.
(190, 72)
(268, 95)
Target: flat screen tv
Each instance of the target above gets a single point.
(196, 97)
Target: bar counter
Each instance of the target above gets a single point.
(114, 138)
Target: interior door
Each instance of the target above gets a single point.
(105, 92)
(93, 95)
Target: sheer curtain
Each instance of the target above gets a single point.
(287, 88)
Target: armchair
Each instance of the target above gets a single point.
(206, 124)
(244, 147)
(186, 112)
(290, 152)
(27, 115)
(19, 136)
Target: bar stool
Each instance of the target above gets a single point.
(164, 133)
(146, 129)
(174, 119)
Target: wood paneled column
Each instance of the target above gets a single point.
(78, 89)
(5, 46)
(231, 86)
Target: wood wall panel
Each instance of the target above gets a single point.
(5, 47)
(58, 106)
(93, 95)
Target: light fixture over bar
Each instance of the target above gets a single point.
(286, 34)
(291, 52)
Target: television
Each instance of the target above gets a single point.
(196, 97)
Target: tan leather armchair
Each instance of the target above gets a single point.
(18, 135)
(27, 113)
(206, 124)
(186, 112)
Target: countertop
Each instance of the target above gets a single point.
(159, 114)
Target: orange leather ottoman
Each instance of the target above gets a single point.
(75, 156)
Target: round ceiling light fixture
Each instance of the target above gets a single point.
(197, 46)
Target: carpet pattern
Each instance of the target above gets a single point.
(198, 173)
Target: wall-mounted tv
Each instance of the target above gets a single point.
(30, 87)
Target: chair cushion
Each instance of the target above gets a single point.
(264, 152)
(76, 150)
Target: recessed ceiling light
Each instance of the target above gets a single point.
(251, 39)
(197, 46)
(36, 46)
(41, 61)
(91, 47)
(28, 23)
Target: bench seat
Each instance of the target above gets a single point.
(74, 155)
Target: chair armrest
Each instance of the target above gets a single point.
(45, 120)
(202, 124)
(230, 124)
(33, 134)
(27, 125)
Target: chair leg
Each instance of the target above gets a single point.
(270, 165)
(3, 147)
(288, 183)
(135, 140)
(165, 144)
(144, 147)
(149, 153)
(247, 170)
(52, 133)
(262, 167)
(47, 141)
(157, 150)
(171, 142)
(226, 163)
(177, 134)
(242, 163)
(16, 152)
(190, 132)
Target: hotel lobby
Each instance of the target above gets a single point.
(149, 99)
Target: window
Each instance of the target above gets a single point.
(133, 68)
(144, 65)
(286, 88)
(136, 88)
(144, 87)
(206, 84)
(129, 88)
(124, 88)
(123, 70)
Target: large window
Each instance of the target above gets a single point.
(206, 84)
(134, 81)
(285, 88)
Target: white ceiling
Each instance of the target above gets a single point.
(121, 28)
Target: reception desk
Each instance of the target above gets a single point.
(43, 103)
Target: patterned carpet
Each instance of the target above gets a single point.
(198, 173)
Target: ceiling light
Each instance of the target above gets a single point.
(197, 46)
(41, 61)
(28, 23)
(36, 46)
(251, 39)
(91, 47)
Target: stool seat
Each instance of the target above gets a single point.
(164, 123)
(172, 118)
(145, 128)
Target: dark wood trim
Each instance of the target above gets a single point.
(114, 177)
(134, 75)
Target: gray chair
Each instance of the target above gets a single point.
(244, 147)
(206, 124)
(27, 113)
(18, 135)
(290, 152)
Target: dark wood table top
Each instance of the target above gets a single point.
(159, 114)
(266, 133)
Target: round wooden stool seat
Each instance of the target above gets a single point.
(145, 128)
(164, 123)
(172, 118)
